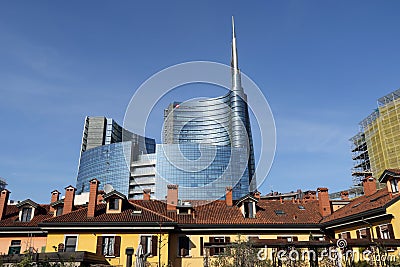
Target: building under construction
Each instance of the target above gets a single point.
(377, 146)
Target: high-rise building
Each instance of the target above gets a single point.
(377, 146)
(107, 153)
(218, 127)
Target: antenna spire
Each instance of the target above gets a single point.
(234, 60)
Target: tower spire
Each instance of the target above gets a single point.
(234, 60)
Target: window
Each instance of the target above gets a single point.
(59, 210)
(113, 204)
(364, 233)
(149, 244)
(218, 250)
(26, 214)
(108, 246)
(394, 185)
(344, 235)
(385, 231)
(183, 246)
(15, 247)
(70, 243)
(301, 207)
(279, 212)
(249, 210)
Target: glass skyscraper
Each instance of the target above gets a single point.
(208, 144)
(107, 154)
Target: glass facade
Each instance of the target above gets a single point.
(202, 171)
(109, 164)
(222, 124)
(107, 153)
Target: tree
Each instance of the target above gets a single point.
(240, 254)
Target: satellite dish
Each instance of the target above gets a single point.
(108, 188)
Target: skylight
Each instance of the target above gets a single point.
(301, 207)
(279, 212)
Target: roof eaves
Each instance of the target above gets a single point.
(352, 217)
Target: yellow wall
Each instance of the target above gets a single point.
(196, 260)
(36, 242)
(393, 209)
(88, 242)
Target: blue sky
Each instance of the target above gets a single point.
(320, 64)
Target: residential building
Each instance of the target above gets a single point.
(19, 224)
(110, 229)
(377, 146)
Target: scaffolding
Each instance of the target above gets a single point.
(359, 150)
(377, 146)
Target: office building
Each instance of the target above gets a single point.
(107, 153)
(218, 127)
(377, 146)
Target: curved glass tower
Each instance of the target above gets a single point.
(222, 122)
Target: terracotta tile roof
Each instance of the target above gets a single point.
(216, 212)
(362, 204)
(268, 212)
(11, 218)
(127, 215)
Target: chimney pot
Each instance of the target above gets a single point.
(55, 196)
(172, 197)
(369, 185)
(93, 193)
(4, 195)
(344, 195)
(146, 194)
(228, 196)
(69, 199)
(324, 202)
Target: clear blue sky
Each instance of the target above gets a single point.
(320, 64)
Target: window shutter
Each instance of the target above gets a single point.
(227, 239)
(368, 233)
(201, 246)
(154, 245)
(212, 250)
(117, 246)
(391, 232)
(378, 232)
(99, 246)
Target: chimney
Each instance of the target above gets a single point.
(228, 196)
(4, 194)
(93, 192)
(369, 185)
(100, 195)
(69, 199)
(323, 201)
(55, 196)
(257, 195)
(344, 195)
(172, 197)
(146, 194)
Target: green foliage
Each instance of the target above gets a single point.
(240, 254)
